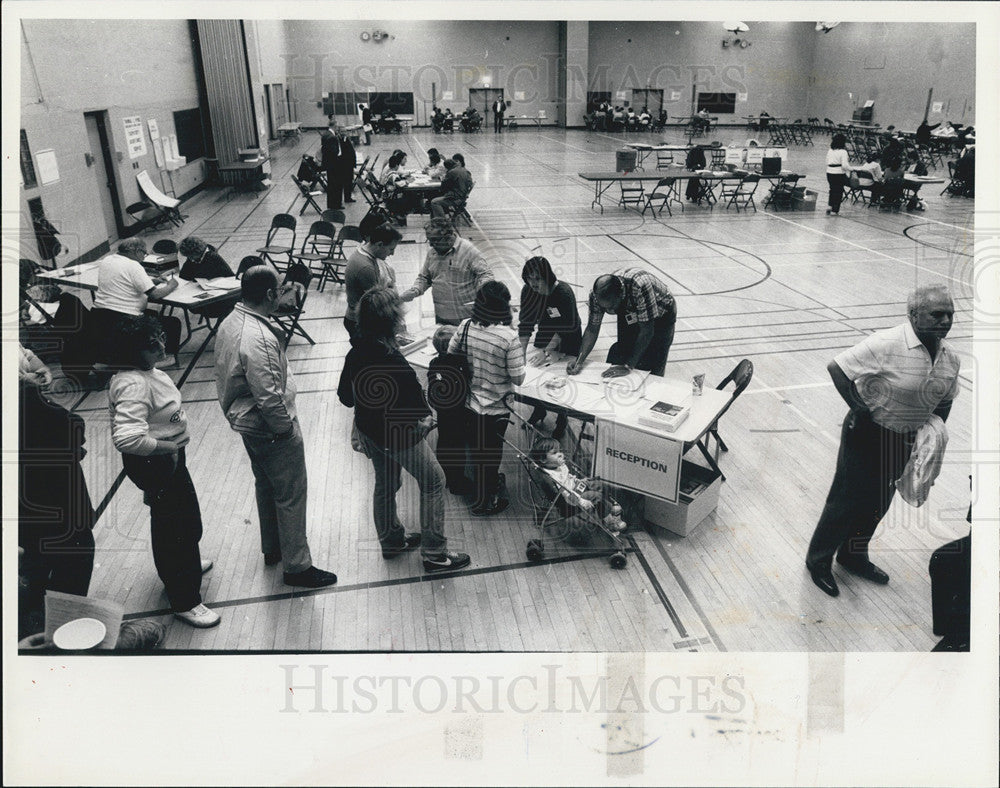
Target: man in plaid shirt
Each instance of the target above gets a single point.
(646, 314)
(454, 269)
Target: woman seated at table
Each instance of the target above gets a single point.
(915, 167)
(617, 119)
(123, 291)
(435, 167)
(202, 261)
(393, 179)
(551, 305)
(449, 120)
(644, 119)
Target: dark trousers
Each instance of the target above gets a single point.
(654, 358)
(837, 183)
(951, 588)
(452, 432)
(497, 123)
(334, 189)
(54, 559)
(485, 434)
(175, 524)
(870, 460)
(347, 182)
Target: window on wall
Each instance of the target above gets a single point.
(400, 103)
(719, 103)
(27, 165)
(190, 134)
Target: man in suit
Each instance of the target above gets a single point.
(329, 156)
(347, 161)
(499, 108)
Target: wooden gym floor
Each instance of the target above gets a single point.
(787, 290)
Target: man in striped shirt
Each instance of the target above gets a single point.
(454, 270)
(646, 313)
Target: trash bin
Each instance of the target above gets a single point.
(625, 160)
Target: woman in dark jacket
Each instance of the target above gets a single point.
(202, 261)
(551, 305)
(392, 420)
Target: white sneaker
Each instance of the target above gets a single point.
(206, 564)
(199, 616)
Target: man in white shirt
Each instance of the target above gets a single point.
(893, 381)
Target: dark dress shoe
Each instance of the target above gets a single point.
(350, 199)
(865, 569)
(310, 578)
(823, 578)
(410, 542)
(270, 559)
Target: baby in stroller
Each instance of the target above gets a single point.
(575, 489)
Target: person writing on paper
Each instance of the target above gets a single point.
(435, 165)
(454, 270)
(551, 305)
(123, 290)
(647, 315)
(202, 261)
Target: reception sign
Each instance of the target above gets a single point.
(637, 459)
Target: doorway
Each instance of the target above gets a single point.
(650, 98)
(482, 99)
(102, 166)
(277, 105)
(271, 131)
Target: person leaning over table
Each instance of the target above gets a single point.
(435, 165)
(454, 270)
(647, 315)
(123, 291)
(202, 261)
(893, 381)
(551, 305)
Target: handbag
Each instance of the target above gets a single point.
(450, 391)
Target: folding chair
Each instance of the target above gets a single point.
(288, 316)
(347, 233)
(632, 194)
(664, 197)
(740, 377)
(741, 195)
(311, 173)
(272, 248)
(718, 158)
(165, 248)
(334, 216)
(781, 193)
(308, 194)
(857, 185)
(664, 159)
(167, 207)
(317, 247)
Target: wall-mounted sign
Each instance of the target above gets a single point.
(518, 95)
(46, 166)
(937, 106)
(621, 95)
(675, 95)
(135, 140)
(741, 96)
(154, 129)
(447, 95)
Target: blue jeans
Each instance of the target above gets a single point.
(279, 470)
(419, 462)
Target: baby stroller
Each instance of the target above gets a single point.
(559, 520)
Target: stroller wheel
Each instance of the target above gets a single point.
(618, 560)
(535, 550)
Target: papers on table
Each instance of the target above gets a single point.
(220, 283)
(593, 370)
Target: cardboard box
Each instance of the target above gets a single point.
(806, 202)
(692, 507)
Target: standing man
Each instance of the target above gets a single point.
(366, 123)
(368, 267)
(892, 381)
(257, 394)
(499, 108)
(454, 269)
(329, 159)
(346, 163)
(647, 314)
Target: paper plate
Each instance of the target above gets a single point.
(78, 635)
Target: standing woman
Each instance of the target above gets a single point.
(392, 421)
(837, 167)
(551, 305)
(150, 430)
(497, 366)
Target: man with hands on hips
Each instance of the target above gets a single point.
(647, 314)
